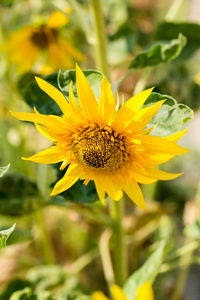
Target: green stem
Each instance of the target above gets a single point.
(101, 40)
(83, 261)
(45, 240)
(105, 257)
(76, 7)
(143, 80)
(174, 10)
(119, 250)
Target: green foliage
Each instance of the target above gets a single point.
(50, 282)
(193, 231)
(4, 235)
(170, 30)
(3, 170)
(124, 40)
(159, 52)
(28, 294)
(147, 273)
(170, 117)
(94, 78)
(18, 195)
(35, 97)
(78, 193)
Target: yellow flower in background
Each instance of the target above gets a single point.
(41, 48)
(145, 292)
(101, 144)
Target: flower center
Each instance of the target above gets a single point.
(100, 149)
(42, 36)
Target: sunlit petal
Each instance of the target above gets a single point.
(129, 109)
(107, 102)
(86, 97)
(117, 293)
(54, 93)
(99, 296)
(158, 144)
(49, 156)
(135, 194)
(71, 176)
(145, 292)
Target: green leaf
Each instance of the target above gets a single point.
(193, 231)
(78, 193)
(159, 52)
(3, 170)
(18, 195)
(124, 40)
(94, 78)
(28, 294)
(170, 30)
(170, 117)
(4, 235)
(35, 97)
(16, 284)
(147, 273)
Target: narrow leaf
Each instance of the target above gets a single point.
(147, 273)
(4, 235)
(3, 170)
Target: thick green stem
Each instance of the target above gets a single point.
(119, 249)
(100, 40)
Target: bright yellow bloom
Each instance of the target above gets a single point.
(145, 292)
(101, 144)
(42, 48)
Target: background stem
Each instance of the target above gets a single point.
(101, 40)
(46, 244)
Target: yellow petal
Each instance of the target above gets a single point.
(71, 176)
(135, 194)
(100, 190)
(99, 296)
(86, 96)
(57, 19)
(158, 174)
(176, 136)
(46, 132)
(129, 109)
(143, 179)
(51, 155)
(54, 93)
(158, 144)
(107, 102)
(74, 106)
(142, 118)
(112, 189)
(117, 293)
(145, 292)
(49, 121)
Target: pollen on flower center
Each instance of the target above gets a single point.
(42, 36)
(100, 149)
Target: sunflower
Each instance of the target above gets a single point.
(97, 143)
(143, 293)
(42, 48)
